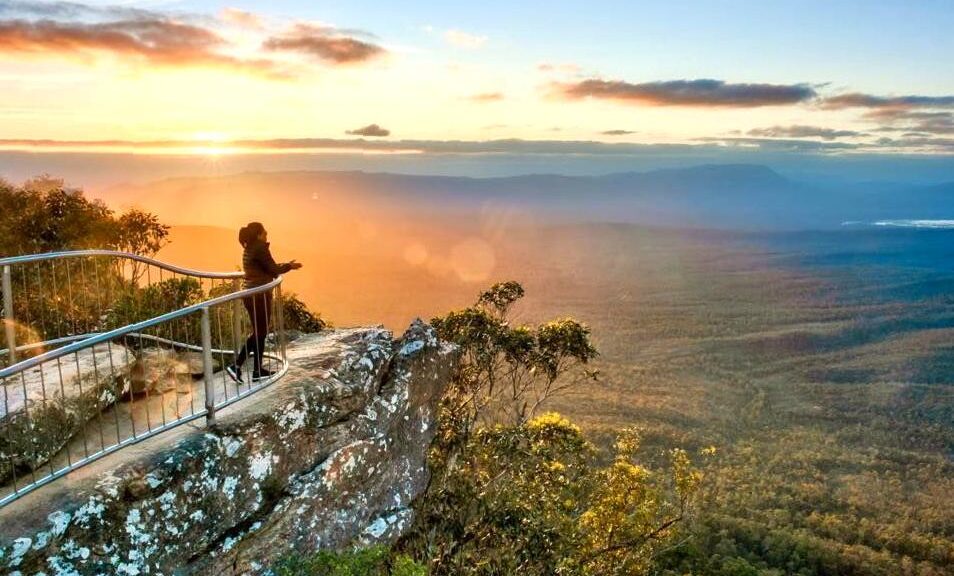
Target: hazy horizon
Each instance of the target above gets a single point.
(95, 171)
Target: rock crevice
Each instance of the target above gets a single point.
(331, 456)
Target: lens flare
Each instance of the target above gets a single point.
(473, 259)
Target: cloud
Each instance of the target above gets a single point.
(617, 132)
(860, 100)
(153, 39)
(370, 130)
(324, 43)
(464, 39)
(702, 93)
(905, 120)
(71, 11)
(242, 18)
(487, 97)
(919, 143)
(80, 31)
(803, 132)
(783, 145)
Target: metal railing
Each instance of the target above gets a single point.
(105, 349)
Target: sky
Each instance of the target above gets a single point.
(374, 78)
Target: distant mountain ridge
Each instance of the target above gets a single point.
(722, 196)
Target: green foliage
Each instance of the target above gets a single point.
(535, 499)
(44, 215)
(299, 317)
(501, 296)
(140, 233)
(137, 304)
(513, 492)
(372, 561)
(508, 372)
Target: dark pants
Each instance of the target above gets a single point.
(259, 307)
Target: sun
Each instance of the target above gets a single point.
(210, 144)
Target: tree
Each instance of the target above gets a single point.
(58, 298)
(507, 371)
(43, 215)
(140, 233)
(517, 492)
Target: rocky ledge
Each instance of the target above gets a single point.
(331, 456)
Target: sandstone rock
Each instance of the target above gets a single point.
(191, 363)
(44, 408)
(156, 370)
(159, 370)
(332, 455)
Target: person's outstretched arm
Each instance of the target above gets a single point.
(267, 262)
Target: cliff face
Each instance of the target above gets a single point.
(330, 456)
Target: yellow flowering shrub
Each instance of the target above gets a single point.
(514, 491)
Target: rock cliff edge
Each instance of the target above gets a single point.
(331, 456)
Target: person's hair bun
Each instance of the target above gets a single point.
(249, 233)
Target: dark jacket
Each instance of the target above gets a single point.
(259, 266)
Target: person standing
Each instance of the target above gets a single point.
(260, 269)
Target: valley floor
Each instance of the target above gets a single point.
(820, 366)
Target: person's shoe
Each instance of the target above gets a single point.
(262, 374)
(234, 371)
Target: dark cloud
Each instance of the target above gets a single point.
(487, 97)
(802, 132)
(919, 143)
(617, 132)
(370, 130)
(860, 100)
(324, 43)
(704, 93)
(906, 120)
(151, 38)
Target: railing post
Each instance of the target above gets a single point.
(279, 323)
(8, 320)
(236, 326)
(207, 367)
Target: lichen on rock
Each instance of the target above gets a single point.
(331, 456)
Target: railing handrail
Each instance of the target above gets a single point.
(27, 258)
(102, 337)
(63, 346)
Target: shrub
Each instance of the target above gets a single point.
(517, 492)
(299, 317)
(373, 561)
